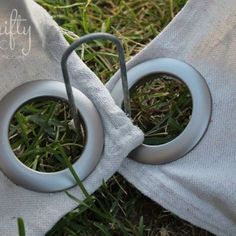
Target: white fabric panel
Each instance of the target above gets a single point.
(41, 211)
(201, 187)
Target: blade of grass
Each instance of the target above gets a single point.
(21, 227)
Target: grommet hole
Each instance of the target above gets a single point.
(41, 135)
(161, 106)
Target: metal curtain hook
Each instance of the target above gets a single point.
(78, 43)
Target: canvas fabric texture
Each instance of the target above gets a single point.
(201, 187)
(41, 211)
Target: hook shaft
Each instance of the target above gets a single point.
(74, 46)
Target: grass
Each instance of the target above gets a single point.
(41, 133)
(160, 107)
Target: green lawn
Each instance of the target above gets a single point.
(41, 133)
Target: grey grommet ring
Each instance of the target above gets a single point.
(61, 180)
(201, 112)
